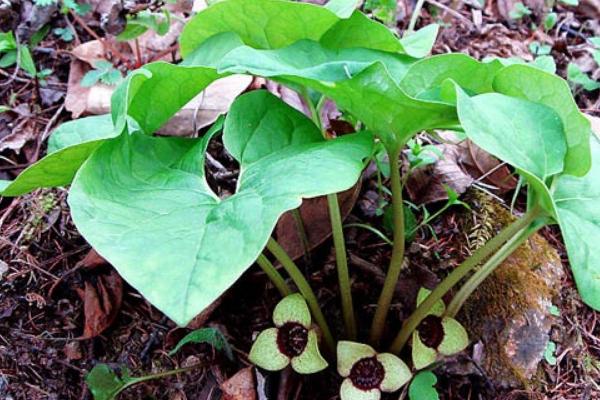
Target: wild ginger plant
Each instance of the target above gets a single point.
(144, 204)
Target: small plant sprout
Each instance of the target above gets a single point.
(436, 335)
(293, 341)
(368, 373)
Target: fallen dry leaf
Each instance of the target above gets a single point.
(426, 185)
(95, 100)
(102, 298)
(315, 217)
(240, 386)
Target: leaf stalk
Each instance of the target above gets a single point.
(273, 275)
(457, 275)
(391, 279)
(305, 289)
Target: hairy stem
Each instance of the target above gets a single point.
(273, 275)
(457, 275)
(486, 269)
(305, 289)
(393, 273)
(342, 266)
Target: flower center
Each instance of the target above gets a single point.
(292, 338)
(431, 331)
(367, 373)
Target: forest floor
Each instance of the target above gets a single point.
(63, 310)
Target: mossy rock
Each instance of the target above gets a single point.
(509, 313)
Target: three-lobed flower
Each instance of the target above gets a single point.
(367, 373)
(436, 335)
(293, 340)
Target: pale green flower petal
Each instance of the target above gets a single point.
(292, 308)
(350, 392)
(455, 339)
(422, 355)
(349, 353)
(310, 360)
(438, 309)
(397, 372)
(265, 352)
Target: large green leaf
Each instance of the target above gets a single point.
(264, 24)
(355, 79)
(151, 95)
(424, 78)
(69, 146)
(143, 202)
(309, 59)
(533, 84)
(272, 24)
(80, 131)
(578, 206)
(527, 135)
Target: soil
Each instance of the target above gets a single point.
(45, 353)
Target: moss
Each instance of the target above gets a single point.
(512, 291)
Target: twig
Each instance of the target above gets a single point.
(452, 12)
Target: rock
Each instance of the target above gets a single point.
(509, 313)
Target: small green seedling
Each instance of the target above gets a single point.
(367, 373)
(106, 383)
(65, 34)
(105, 72)
(437, 335)
(383, 10)
(422, 387)
(540, 49)
(293, 340)
(550, 21)
(12, 53)
(211, 336)
(580, 79)
(66, 5)
(549, 355)
(137, 25)
(519, 11)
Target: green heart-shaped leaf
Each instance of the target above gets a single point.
(424, 78)
(272, 24)
(578, 207)
(151, 95)
(68, 147)
(140, 198)
(527, 135)
(542, 87)
(356, 79)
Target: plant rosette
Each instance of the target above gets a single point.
(436, 335)
(368, 373)
(292, 341)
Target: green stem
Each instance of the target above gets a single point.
(414, 17)
(342, 266)
(457, 275)
(304, 288)
(135, 381)
(486, 269)
(430, 218)
(369, 228)
(338, 237)
(273, 275)
(391, 279)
